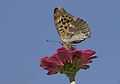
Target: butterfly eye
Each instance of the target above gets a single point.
(55, 10)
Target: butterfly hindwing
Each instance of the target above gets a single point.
(77, 31)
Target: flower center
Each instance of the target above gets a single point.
(68, 68)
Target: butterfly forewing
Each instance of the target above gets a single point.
(77, 31)
(62, 21)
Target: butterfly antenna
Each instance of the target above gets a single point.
(53, 41)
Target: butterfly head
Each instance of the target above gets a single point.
(59, 10)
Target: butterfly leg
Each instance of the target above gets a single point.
(75, 46)
(70, 46)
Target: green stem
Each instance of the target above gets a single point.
(71, 79)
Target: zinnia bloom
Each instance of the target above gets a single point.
(68, 62)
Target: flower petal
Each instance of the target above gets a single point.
(61, 49)
(89, 59)
(85, 67)
(52, 72)
(87, 54)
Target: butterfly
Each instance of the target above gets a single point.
(71, 30)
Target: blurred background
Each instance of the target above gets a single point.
(25, 25)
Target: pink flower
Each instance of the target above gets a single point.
(67, 61)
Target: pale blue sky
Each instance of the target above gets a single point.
(26, 24)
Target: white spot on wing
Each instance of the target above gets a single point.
(72, 26)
